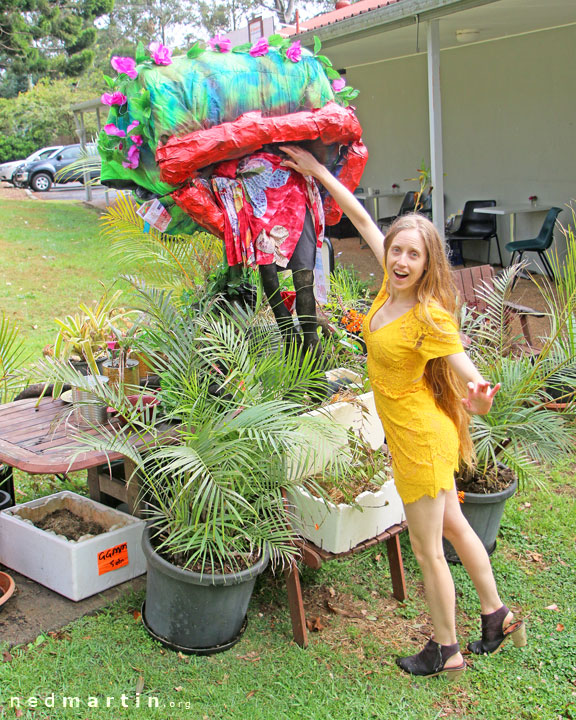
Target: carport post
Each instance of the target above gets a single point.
(82, 132)
(435, 119)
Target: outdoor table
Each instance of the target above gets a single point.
(313, 557)
(513, 210)
(38, 440)
(374, 207)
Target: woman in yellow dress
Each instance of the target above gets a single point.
(419, 374)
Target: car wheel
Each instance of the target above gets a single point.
(41, 182)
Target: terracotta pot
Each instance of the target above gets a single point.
(7, 587)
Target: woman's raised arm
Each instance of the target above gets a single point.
(306, 164)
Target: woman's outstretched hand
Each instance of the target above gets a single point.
(302, 161)
(480, 396)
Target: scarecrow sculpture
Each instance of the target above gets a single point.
(200, 134)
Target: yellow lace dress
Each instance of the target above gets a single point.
(422, 439)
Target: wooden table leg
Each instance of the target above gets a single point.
(133, 499)
(94, 485)
(296, 605)
(396, 567)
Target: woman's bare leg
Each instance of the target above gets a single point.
(473, 555)
(425, 519)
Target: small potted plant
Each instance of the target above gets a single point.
(82, 337)
(119, 366)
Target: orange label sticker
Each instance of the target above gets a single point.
(113, 558)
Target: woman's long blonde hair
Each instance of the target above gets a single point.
(436, 286)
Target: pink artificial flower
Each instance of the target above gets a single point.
(137, 139)
(133, 124)
(161, 55)
(259, 48)
(294, 52)
(338, 84)
(115, 98)
(111, 129)
(133, 158)
(220, 43)
(112, 344)
(125, 65)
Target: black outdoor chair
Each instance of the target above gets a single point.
(474, 226)
(408, 205)
(539, 244)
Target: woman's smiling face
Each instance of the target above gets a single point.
(406, 261)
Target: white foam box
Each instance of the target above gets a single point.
(339, 528)
(79, 569)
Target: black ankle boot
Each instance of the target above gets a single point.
(493, 633)
(430, 661)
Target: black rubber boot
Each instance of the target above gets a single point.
(283, 316)
(306, 309)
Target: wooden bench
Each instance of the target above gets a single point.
(470, 280)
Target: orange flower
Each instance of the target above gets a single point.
(461, 496)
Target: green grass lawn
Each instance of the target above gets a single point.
(348, 671)
(53, 258)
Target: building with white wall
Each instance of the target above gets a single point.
(483, 90)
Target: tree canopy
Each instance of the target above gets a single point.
(47, 38)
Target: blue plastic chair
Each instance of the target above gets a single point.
(539, 244)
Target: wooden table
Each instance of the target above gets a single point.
(39, 440)
(313, 557)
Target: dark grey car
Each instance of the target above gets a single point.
(42, 174)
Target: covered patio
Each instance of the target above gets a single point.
(479, 90)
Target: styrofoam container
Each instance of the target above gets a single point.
(73, 569)
(339, 528)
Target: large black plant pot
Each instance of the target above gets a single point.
(193, 613)
(484, 513)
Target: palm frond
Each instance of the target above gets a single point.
(174, 261)
(12, 357)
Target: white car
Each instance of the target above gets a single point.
(7, 169)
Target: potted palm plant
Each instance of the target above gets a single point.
(213, 460)
(515, 441)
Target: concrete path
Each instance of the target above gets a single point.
(34, 609)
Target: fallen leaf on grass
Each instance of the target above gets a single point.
(332, 592)
(551, 607)
(250, 694)
(559, 627)
(315, 624)
(252, 656)
(6, 657)
(525, 506)
(136, 614)
(535, 557)
(341, 611)
(179, 688)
